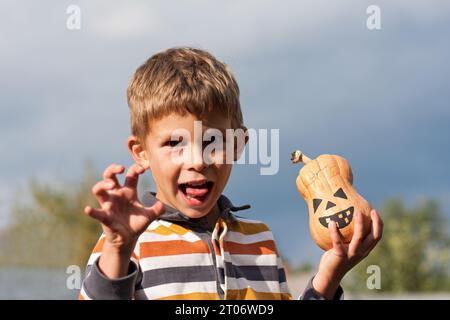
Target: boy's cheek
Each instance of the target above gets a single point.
(224, 172)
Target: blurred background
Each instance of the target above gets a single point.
(312, 69)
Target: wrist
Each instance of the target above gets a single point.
(119, 248)
(326, 283)
(115, 260)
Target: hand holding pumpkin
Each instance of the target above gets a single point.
(342, 257)
(349, 231)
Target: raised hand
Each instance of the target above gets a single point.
(337, 261)
(122, 216)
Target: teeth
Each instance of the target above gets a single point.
(194, 184)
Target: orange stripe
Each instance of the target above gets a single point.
(81, 297)
(250, 294)
(263, 247)
(247, 227)
(165, 231)
(99, 246)
(167, 248)
(192, 296)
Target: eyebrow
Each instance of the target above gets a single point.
(167, 134)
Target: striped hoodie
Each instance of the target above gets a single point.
(178, 257)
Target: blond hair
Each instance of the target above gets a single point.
(182, 80)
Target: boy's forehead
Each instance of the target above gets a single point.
(173, 121)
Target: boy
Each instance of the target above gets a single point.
(184, 241)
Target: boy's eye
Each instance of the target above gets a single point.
(172, 143)
(209, 141)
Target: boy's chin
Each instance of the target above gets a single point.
(196, 213)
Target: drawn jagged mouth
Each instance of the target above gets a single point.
(342, 218)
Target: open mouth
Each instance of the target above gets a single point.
(342, 218)
(196, 192)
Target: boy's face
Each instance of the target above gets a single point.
(184, 180)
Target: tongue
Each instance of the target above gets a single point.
(196, 192)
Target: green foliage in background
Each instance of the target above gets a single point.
(49, 228)
(413, 254)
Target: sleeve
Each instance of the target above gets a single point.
(97, 286)
(310, 294)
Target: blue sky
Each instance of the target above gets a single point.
(308, 68)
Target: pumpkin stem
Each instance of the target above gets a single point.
(298, 156)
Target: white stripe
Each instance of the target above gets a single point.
(248, 238)
(219, 260)
(164, 223)
(284, 287)
(179, 260)
(150, 236)
(93, 257)
(260, 286)
(252, 259)
(84, 294)
(171, 289)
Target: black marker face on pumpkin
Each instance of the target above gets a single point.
(341, 218)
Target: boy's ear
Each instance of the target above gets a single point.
(240, 142)
(137, 150)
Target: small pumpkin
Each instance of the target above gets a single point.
(325, 184)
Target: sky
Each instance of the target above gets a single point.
(311, 69)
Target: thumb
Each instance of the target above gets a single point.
(156, 210)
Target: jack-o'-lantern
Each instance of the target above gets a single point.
(325, 184)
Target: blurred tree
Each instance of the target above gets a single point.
(413, 254)
(48, 226)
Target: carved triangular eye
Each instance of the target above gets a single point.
(316, 203)
(340, 194)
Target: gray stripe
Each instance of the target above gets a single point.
(281, 275)
(221, 274)
(157, 277)
(206, 273)
(255, 273)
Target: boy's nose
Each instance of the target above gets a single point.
(197, 166)
(197, 162)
